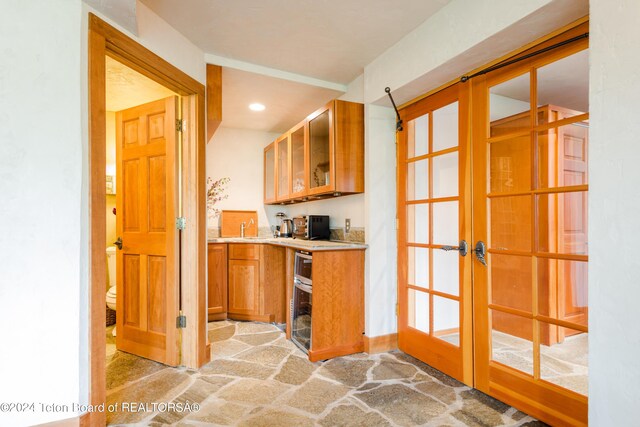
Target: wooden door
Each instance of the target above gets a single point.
(146, 200)
(217, 283)
(244, 286)
(434, 284)
(529, 207)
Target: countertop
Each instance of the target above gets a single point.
(307, 245)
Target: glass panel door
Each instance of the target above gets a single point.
(434, 309)
(282, 150)
(270, 174)
(320, 139)
(530, 194)
(298, 157)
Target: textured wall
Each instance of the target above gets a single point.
(614, 202)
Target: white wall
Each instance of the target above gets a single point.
(238, 154)
(41, 155)
(614, 229)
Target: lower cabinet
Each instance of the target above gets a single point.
(217, 275)
(256, 282)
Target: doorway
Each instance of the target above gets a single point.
(104, 41)
(492, 286)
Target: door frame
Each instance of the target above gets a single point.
(105, 40)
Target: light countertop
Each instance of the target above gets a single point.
(307, 245)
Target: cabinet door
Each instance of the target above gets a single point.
(270, 174)
(217, 275)
(321, 168)
(299, 156)
(244, 286)
(282, 167)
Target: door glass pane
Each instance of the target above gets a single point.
(511, 341)
(511, 165)
(563, 87)
(511, 223)
(565, 360)
(445, 127)
(511, 281)
(283, 169)
(418, 180)
(418, 136)
(418, 310)
(269, 174)
(446, 271)
(509, 105)
(445, 223)
(418, 223)
(418, 267)
(562, 290)
(562, 156)
(445, 175)
(446, 319)
(562, 223)
(297, 161)
(319, 151)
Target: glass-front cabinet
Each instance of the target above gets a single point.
(320, 152)
(298, 147)
(270, 173)
(321, 157)
(282, 167)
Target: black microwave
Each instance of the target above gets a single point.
(311, 227)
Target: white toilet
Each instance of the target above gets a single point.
(111, 274)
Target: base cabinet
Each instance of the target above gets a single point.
(256, 282)
(337, 319)
(217, 282)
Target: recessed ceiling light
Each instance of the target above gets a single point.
(256, 107)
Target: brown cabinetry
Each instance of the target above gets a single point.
(321, 157)
(256, 282)
(337, 319)
(217, 276)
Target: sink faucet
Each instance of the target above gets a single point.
(244, 226)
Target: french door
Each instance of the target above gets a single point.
(434, 211)
(500, 163)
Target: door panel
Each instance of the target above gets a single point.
(433, 210)
(530, 190)
(147, 285)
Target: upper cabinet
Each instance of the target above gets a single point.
(270, 173)
(321, 157)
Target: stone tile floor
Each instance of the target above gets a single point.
(258, 378)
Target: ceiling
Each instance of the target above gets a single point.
(126, 88)
(287, 103)
(329, 39)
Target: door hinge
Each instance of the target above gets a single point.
(181, 223)
(181, 321)
(181, 125)
(397, 224)
(396, 309)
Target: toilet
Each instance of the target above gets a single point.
(111, 274)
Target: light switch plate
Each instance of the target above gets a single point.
(347, 225)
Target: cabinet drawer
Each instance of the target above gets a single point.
(244, 251)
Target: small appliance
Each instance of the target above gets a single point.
(311, 227)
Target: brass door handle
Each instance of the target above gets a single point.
(118, 243)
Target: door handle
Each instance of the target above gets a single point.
(118, 243)
(462, 247)
(481, 252)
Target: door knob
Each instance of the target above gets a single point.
(481, 252)
(462, 247)
(118, 243)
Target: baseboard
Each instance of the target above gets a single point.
(380, 344)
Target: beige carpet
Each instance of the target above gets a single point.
(258, 378)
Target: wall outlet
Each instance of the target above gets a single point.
(347, 225)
